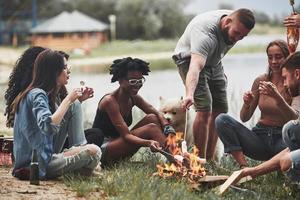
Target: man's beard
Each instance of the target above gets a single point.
(294, 91)
(226, 36)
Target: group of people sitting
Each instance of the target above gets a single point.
(47, 118)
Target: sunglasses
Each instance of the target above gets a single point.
(136, 81)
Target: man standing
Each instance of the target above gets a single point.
(288, 159)
(198, 54)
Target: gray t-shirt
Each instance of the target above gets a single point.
(203, 36)
(296, 104)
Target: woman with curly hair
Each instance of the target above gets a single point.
(114, 114)
(19, 80)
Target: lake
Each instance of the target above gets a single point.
(241, 70)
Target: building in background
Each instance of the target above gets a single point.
(69, 31)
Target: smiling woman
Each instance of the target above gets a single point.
(114, 114)
(271, 97)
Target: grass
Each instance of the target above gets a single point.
(155, 64)
(122, 47)
(135, 179)
(248, 49)
(265, 29)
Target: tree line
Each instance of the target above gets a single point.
(136, 19)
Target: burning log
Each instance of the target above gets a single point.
(185, 164)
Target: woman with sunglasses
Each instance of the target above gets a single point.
(114, 114)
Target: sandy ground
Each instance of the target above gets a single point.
(14, 189)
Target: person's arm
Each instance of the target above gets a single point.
(282, 161)
(149, 109)
(250, 101)
(268, 88)
(112, 108)
(196, 65)
(292, 20)
(64, 106)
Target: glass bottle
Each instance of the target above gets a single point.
(34, 169)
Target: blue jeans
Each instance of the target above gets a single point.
(291, 138)
(260, 143)
(82, 162)
(71, 126)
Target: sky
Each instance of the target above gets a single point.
(271, 7)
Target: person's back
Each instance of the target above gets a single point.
(30, 134)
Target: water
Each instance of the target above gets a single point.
(241, 70)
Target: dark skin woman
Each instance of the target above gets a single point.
(114, 114)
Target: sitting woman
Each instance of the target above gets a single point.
(38, 120)
(20, 78)
(272, 98)
(114, 114)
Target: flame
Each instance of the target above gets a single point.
(173, 142)
(191, 166)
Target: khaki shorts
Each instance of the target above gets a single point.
(210, 93)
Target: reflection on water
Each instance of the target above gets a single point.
(241, 70)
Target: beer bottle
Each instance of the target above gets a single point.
(34, 169)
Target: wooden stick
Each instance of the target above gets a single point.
(169, 156)
(233, 178)
(209, 178)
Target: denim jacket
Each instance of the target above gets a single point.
(33, 129)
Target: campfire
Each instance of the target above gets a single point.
(185, 164)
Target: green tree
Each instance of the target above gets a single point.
(226, 6)
(150, 19)
(98, 9)
(261, 17)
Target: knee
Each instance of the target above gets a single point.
(75, 107)
(153, 127)
(202, 118)
(151, 118)
(93, 150)
(220, 120)
(288, 130)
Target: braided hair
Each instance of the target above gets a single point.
(120, 67)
